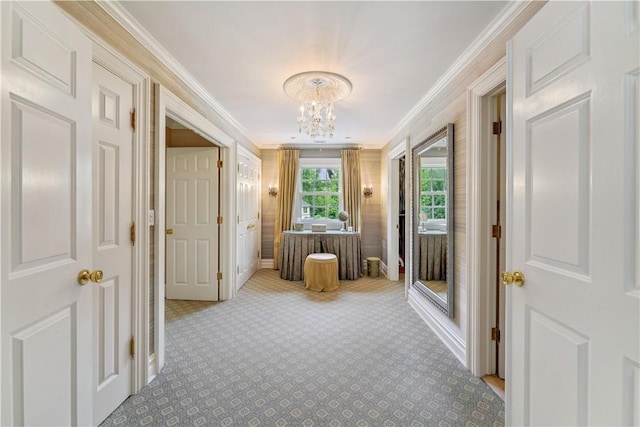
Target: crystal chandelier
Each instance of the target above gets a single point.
(317, 90)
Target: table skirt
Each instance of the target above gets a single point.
(433, 257)
(294, 248)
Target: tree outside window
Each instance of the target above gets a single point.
(320, 193)
(433, 192)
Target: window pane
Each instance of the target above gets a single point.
(311, 174)
(438, 173)
(437, 185)
(439, 213)
(320, 197)
(439, 200)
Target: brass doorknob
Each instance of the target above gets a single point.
(517, 278)
(97, 276)
(169, 230)
(84, 276)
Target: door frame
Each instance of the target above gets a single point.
(141, 83)
(168, 104)
(480, 317)
(393, 234)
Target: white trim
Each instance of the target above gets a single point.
(152, 367)
(495, 28)
(124, 18)
(168, 104)
(439, 327)
(477, 358)
(393, 213)
(141, 83)
(266, 263)
(384, 270)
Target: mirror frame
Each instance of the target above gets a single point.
(447, 307)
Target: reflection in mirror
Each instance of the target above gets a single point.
(432, 189)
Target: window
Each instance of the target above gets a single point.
(319, 196)
(433, 194)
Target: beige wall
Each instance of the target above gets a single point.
(449, 106)
(371, 223)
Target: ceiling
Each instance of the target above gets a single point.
(242, 52)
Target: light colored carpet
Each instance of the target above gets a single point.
(280, 355)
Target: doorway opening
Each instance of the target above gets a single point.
(192, 210)
(219, 206)
(486, 162)
(496, 250)
(401, 218)
(396, 224)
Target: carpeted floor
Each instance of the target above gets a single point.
(279, 355)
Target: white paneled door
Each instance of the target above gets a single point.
(112, 244)
(192, 224)
(573, 328)
(248, 202)
(45, 229)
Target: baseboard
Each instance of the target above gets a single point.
(446, 335)
(152, 369)
(266, 263)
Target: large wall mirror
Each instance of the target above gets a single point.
(432, 192)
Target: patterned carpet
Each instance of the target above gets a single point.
(279, 355)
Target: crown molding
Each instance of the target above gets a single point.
(129, 23)
(497, 26)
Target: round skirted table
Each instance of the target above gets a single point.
(321, 272)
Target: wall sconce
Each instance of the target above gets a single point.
(367, 190)
(273, 191)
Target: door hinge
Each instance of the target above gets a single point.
(219, 275)
(132, 347)
(237, 269)
(133, 119)
(219, 164)
(132, 233)
(238, 218)
(496, 231)
(258, 253)
(497, 128)
(495, 334)
(219, 220)
(258, 215)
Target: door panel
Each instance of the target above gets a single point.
(192, 209)
(573, 328)
(113, 252)
(46, 221)
(34, 380)
(557, 174)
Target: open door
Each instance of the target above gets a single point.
(573, 354)
(192, 223)
(248, 216)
